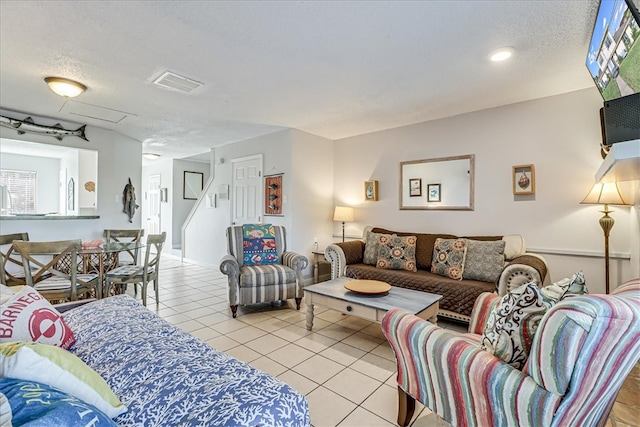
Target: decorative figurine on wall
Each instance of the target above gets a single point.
(129, 200)
(28, 126)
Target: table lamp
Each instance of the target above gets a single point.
(605, 194)
(343, 214)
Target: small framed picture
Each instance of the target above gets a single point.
(433, 192)
(415, 187)
(524, 179)
(371, 191)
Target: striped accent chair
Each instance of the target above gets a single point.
(583, 350)
(252, 284)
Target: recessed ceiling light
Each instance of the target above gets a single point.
(65, 87)
(501, 54)
(150, 156)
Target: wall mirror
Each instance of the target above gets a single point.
(445, 183)
(35, 177)
(193, 183)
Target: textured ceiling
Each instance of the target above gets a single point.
(334, 69)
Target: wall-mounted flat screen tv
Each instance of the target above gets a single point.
(613, 59)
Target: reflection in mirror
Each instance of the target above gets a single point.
(444, 183)
(35, 179)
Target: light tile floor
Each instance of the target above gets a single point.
(344, 366)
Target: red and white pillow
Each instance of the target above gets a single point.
(28, 316)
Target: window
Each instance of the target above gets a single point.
(21, 186)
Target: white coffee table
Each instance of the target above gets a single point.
(332, 294)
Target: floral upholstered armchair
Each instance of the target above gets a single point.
(259, 268)
(582, 351)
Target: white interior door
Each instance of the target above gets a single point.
(62, 193)
(246, 195)
(153, 221)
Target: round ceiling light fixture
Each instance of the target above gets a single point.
(151, 156)
(501, 54)
(65, 87)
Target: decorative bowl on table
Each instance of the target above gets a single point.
(91, 244)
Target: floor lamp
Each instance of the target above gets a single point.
(605, 194)
(343, 214)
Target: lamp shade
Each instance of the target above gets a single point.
(604, 194)
(65, 87)
(343, 213)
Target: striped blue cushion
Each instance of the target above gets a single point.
(265, 275)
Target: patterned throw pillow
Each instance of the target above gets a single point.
(259, 244)
(448, 257)
(567, 287)
(34, 403)
(484, 260)
(371, 246)
(513, 322)
(397, 253)
(28, 316)
(61, 369)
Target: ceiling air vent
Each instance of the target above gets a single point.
(172, 81)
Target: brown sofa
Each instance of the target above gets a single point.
(458, 295)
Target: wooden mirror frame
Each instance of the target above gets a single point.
(454, 182)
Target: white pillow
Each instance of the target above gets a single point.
(58, 368)
(28, 316)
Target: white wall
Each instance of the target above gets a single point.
(119, 158)
(560, 135)
(306, 162)
(182, 206)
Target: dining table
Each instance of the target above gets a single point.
(100, 258)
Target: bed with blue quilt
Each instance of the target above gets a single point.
(167, 377)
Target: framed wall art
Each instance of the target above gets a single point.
(524, 179)
(193, 183)
(371, 191)
(433, 193)
(273, 194)
(415, 187)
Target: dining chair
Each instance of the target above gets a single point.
(11, 269)
(142, 274)
(52, 269)
(121, 236)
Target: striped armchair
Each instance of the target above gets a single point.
(584, 348)
(252, 284)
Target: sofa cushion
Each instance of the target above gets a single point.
(58, 368)
(36, 404)
(371, 247)
(513, 322)
(424, 245)
(484, 260)
(456, 297)
(28, 316)
(259, 244)
(448, 257)
(397, 253)
(252, 276)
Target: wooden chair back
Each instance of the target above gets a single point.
(134, 235)
(56, 261)
(11, 269)
(156, 242)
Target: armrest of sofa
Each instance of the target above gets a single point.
(296, 262)
(342, 254)
(481, 309)
(520, 270)
(460, 382)
(229, 266)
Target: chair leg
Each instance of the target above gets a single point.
(144, 294)
(406, 407)
(155, 286)
(298, 300)
(234, 309)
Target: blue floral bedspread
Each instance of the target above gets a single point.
(167, 377)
